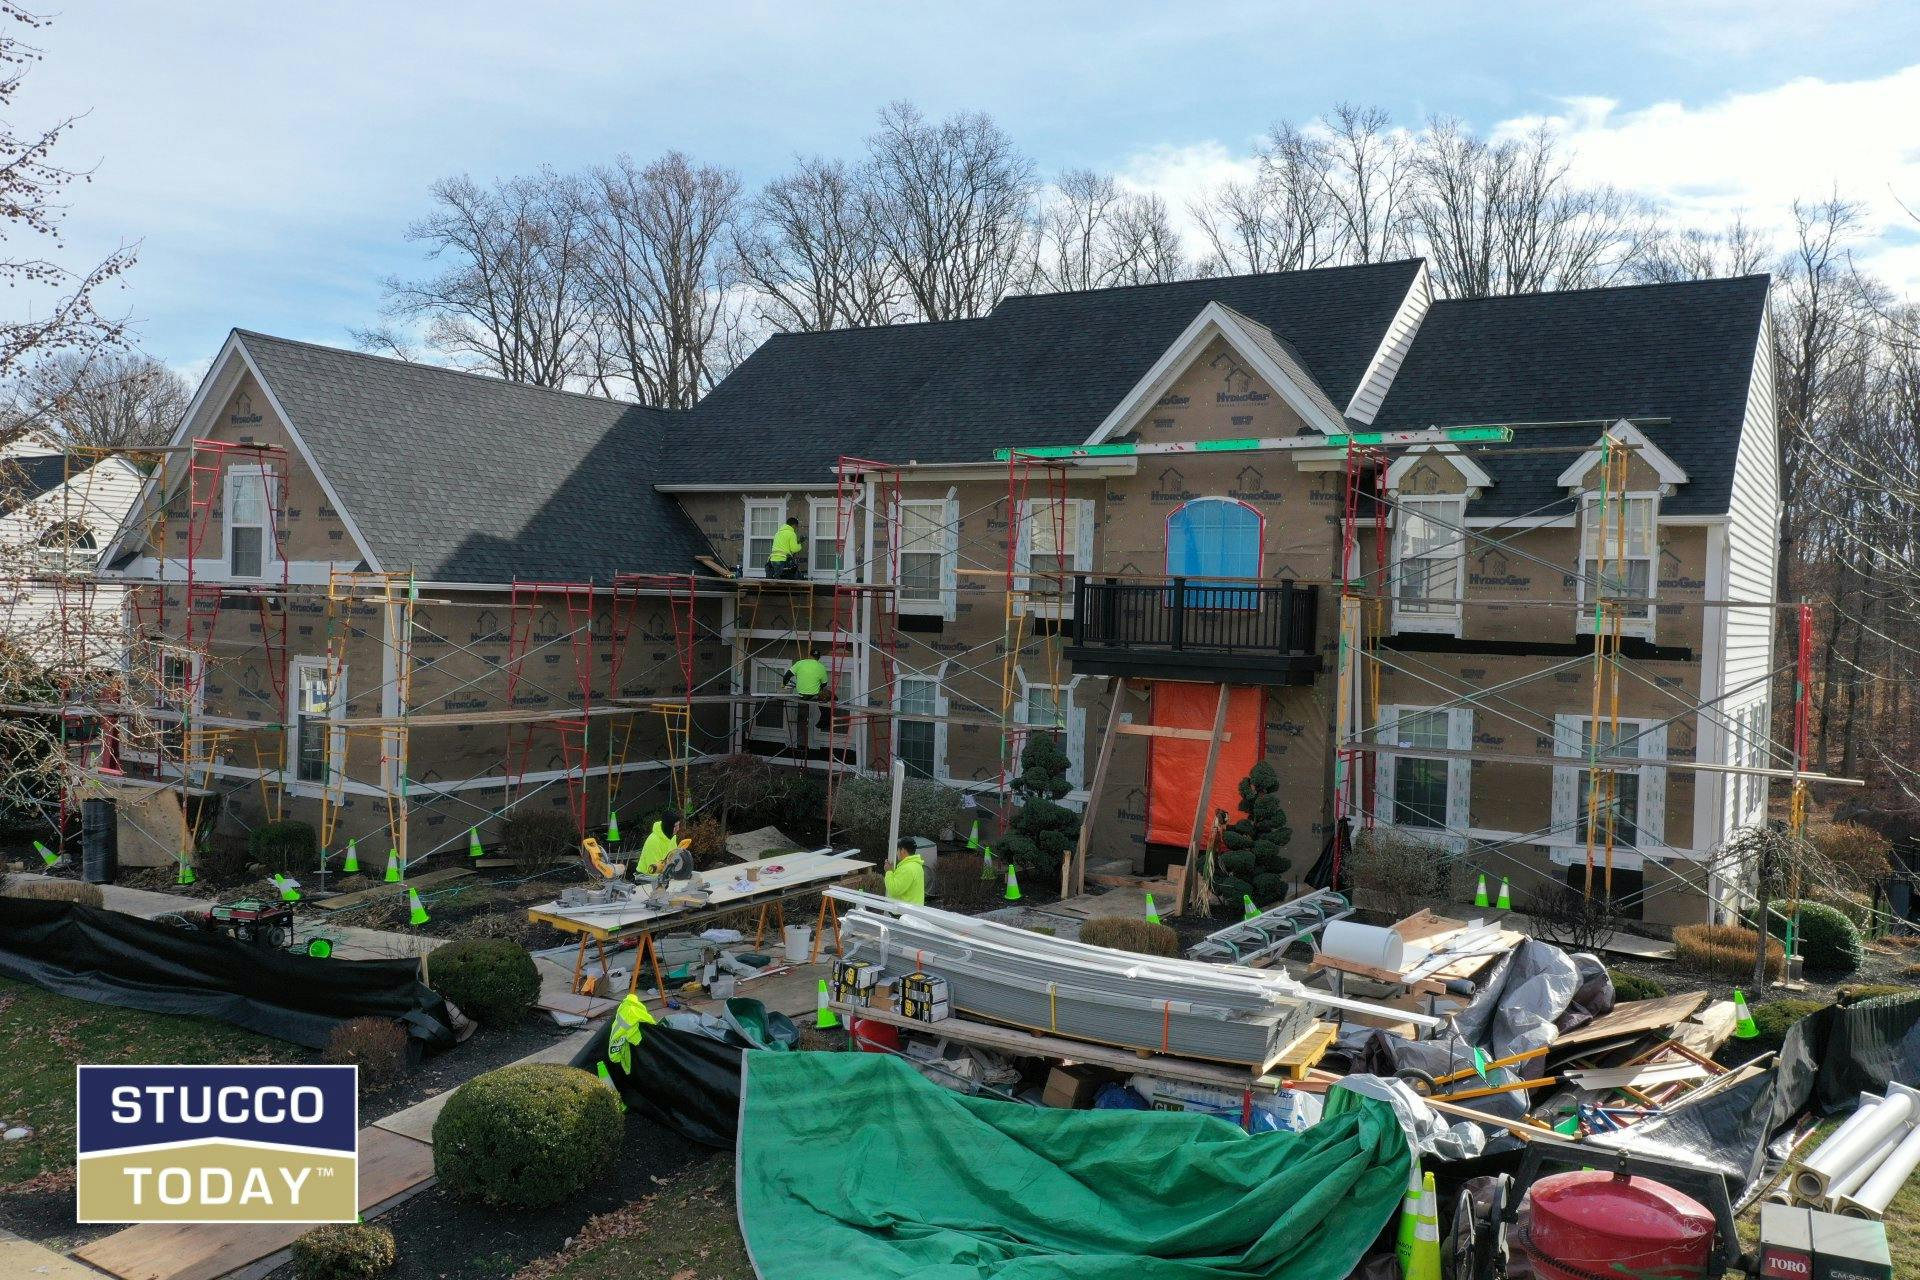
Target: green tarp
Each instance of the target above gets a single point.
(851, 1164)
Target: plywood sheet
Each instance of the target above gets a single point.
(1635, 1017)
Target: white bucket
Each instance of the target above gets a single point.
(799, 943)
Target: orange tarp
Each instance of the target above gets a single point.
(1176, 764)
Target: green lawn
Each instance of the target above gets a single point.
(42, 1038)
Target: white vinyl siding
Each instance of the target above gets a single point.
(1747, 636)
(1392, 352)
(1429, 564)
(764, 517)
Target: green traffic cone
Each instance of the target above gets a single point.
(1153, 912)
(351, 866)
(1480, 898)
(824, 1018)
(1505, 902)
(416, 909)
(473, 843)
(1409, 1220)
(289, 888)
(986, 862)
(1013, 884)
(47, 855)
(186, 873)
(1247, 910)
(1744, 1026)
(973, 835)
(613, 827)
(393, 866)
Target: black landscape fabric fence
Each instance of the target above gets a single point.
(683, 1080)
(108, 957)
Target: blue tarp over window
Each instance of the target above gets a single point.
(1214, 538)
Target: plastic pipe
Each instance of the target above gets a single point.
(1816, 1172)
(1364, 944)
(1853, 1179)
(1835, 1158)
(1872, 1199)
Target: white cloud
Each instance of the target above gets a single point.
(1182, 175)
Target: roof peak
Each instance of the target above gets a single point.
(1611, 288)
(1201, 280)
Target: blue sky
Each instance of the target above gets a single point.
(269, 157)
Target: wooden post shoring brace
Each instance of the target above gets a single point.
(1073, 878)
(1203, 803)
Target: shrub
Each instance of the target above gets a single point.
(1570, 918)
(1859, 992)
(224, 859)
(1042, 830)
(961, 885)
(1773, 1018)
(87, 895)
(709, 836)
(344, 1251)
(527, 1136)
(1725, 950)
(1256, 844)
(1860, 853)
(285, 848)
(1828, 940)
(535, 838)
(747, 791)
(1405, 870)
(378, 1046)
(1123, 933)
(491, 979)
(862, 808)
(1631, 986)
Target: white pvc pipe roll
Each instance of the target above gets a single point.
(1364, 944)
(1851, 1180)
(1871, 1200)
(1837, 1157)
(1816, 1173)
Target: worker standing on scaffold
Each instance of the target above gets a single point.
(809, 678)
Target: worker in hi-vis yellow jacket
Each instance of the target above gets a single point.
(810, 680)
(907, 874)
(784, 560)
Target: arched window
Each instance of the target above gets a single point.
(1215, 538)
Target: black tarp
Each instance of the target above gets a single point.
(1859, 1048)
(683, 1080)
(108, 957)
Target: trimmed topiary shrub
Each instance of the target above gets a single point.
(527, 1136)
(1256, 845)
(344, 1251)
(1042, 830)
(1773, 1018)
(491, 979)
(87, 895)
(1631, 986)
(1122, 933)
(1828, 940)
(378, 1046)
(1725, 950)
(285, 848)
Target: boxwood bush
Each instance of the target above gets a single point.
(344, 1251)
(492, 980)
(1828, 940)
(526, 1136)
(1631, 986)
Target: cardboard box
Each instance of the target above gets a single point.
(1072, 1086)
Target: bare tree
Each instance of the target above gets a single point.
(1281, 221)
(1093, 234)
(806, 247)
(511, 299)
(64, 314)
(102, 399)
(658, 268)
(1693, 254)
(1146, 243)
(1367, 175)
(951, 205)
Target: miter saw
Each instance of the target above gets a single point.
(674, 879)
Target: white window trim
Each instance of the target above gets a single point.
(940, 708)
(1650, 816)
(749, 568)
(196, 700)
(1443, 623)
(1453, 833)
(1074, 730)
(1081, 557)
(1643, 628)
(269, 550)
(336, 738)
(845, 571)
(757, 732)
(942, 605)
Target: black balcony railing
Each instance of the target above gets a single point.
(1198, 627)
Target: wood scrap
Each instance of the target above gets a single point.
(385, 890)
(1643, 1076)
(1635, 1017)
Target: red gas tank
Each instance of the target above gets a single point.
(1602, 1226)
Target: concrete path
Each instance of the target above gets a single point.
(25, 1260)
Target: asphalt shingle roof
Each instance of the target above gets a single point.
(1041, 369)
(466, 478)
(1680, 351)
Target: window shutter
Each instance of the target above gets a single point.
(1459, 772)
(1388, 732)
(1083, 536)
(949, 541)
(1653, 788)
(1022, 535)
(1076, 738)
(1566, 781)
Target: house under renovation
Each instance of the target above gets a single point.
(1492, 575)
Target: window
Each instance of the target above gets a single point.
(1429, 564)
(250, 513)
(916, 743)
(318, 743)
(764, 518)
(1420, 784)
(1050, 707)
(827, 524)
(1215, 538)
(176, 700)
(926, 555)
(768, 722)
(1639, 796)
(66, 547)
(1627, 524)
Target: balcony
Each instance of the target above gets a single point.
(1224, 630)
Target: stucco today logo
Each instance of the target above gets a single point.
(217, 1144)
